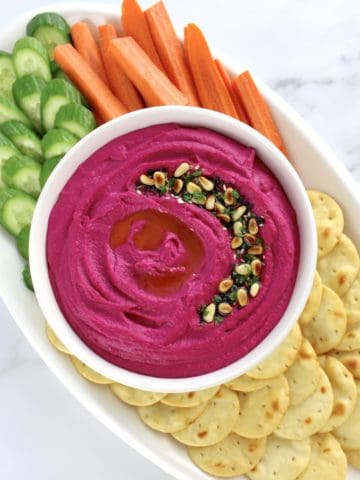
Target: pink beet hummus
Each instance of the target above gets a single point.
(101, 288)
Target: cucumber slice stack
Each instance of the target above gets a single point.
(7, 75)
(16, 210)
(23, 138)
(50, 29)
(27, 92)
(56, 94)
(75, 118)
(30, 56)
(22, 173)
(36, 98)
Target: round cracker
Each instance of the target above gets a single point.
(344, 390)
(135, 397)
(329, 221)
(309, 417)
(244, 383)
(339, 268)
(351, 301)
(189, 399)
(351, 339)
(313, 303)
(55, 341)
(304, 374)
(89, 373)
(351, 360)
(166, 419)
(327, 459)
(232, 456)
(348, 433)
(283, 459)
(215, 423)
(261, 411)
(280, 359)
(328, 327)
(353, 457)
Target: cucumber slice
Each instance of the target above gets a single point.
(22, 241)
(57, 142)
(30, 56)
(9, 111)
(57, 93)
(77, 119)
(23, 138)
(7, 150)
(61, 74)
(47, 168)
(27, 277)
(16, 210)
(22, 173)
(27, 91)
(7, 76)
(51, 29)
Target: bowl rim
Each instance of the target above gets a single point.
(188, 116)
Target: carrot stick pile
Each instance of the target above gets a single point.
(148, 65)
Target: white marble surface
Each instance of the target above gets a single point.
(309, 51)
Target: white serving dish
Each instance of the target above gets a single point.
(190, 116)
(318, 167)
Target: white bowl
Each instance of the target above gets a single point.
(240, 132)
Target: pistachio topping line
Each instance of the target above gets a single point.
(224, 202)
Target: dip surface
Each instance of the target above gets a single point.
(110, 284)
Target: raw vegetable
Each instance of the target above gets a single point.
(57, 142)
(7, 150)
(25, 139)
(236, 100)
(134, 25)
(171, 51)
(22, 173)
(22, 241)
(7, 75)
(9, 111)
(27, 277)
(86, 45)
(50, 29)
(16, 210)
(27, 92)
(61, 74)
(57, 93)
(257, 109)
(47, 168)
(210, 86)
(151, 82)
(118, 81)
(76, 119)
(89, 83)
(30, 56)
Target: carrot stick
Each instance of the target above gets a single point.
(86, 45)
(98, 94)
(118, 81)
(98, 119)
(152, 83)
(257, 109)
(236, 100)
(134, 25)
(171, 51)
(210, 86)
